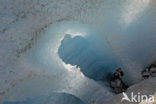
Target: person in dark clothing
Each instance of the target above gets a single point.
(116, 82)
(118, 74)
(146, 73)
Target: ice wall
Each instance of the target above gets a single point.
(128, 26)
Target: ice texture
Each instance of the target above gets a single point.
(31, 32)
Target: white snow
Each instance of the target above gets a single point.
(24, 22)
(146, 87)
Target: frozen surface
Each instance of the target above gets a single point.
(31, 33)
(147, 87)
(54, 98)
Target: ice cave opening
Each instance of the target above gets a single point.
(95, 61)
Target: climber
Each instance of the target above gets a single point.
(149, 71)
(116, 82)
(146, 73)
(118, 74)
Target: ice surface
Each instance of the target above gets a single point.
(30, 65)
(146, 87)
(54, 98)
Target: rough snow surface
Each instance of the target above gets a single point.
(147, 87)
(128, 27)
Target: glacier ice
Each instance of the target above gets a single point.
(31, 33)
(54, 98)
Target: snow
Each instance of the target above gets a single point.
(54, 98)
(24, 26)
(146, 87)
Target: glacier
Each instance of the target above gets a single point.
(102, 35)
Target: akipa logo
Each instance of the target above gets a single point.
(138, 98)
